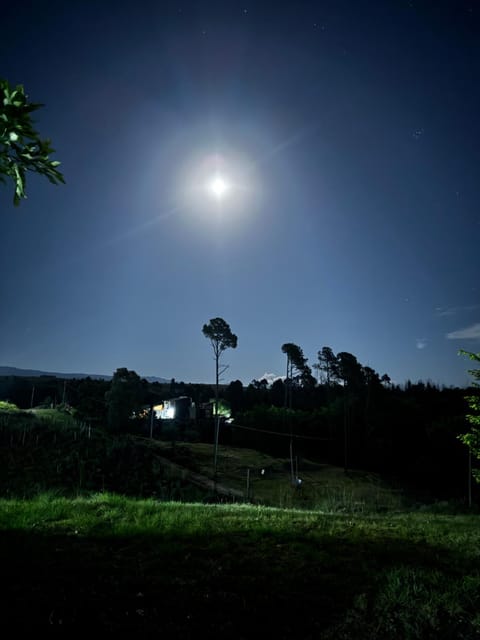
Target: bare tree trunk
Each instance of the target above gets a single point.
(215, 449)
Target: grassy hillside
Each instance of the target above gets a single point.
(352, 563)
(268, 479)
(108, 563)
(47, 450)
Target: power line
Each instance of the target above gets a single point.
(279, 433)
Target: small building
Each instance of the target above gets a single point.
(180, 409)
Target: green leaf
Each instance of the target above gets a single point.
(21, 148)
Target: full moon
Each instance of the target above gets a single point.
(218, 187)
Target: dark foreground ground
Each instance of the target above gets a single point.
(302, 580)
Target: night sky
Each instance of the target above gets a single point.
(348, 133)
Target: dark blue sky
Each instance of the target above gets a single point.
(351, 133)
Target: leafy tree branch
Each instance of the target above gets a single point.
(472, 438)
(21, 148)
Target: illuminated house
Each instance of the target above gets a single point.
(180, 409)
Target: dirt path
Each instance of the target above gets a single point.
(198, 479)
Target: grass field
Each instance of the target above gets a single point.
(46, 449)
(344, 557)
(108, 563)
(269, 480)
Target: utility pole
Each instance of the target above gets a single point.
(345, 429)
(215, 446)
(287, 406)
(219, 371)
(151, 421)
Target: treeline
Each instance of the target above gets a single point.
(410, 432)
(354, 417)
(350, 416)
(105, 403)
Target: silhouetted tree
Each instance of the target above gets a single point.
(298, 372)
(234, 394)
(372, 383)
(90, 401)
(277, 392)
(327, 363)
(260, 385)
(350, 370)
(221, 338)
(386, 380)
(352, 377)
(124, 398)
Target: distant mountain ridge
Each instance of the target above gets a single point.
(33, 373)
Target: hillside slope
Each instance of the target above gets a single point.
(48, 451)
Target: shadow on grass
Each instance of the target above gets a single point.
(236, 586)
